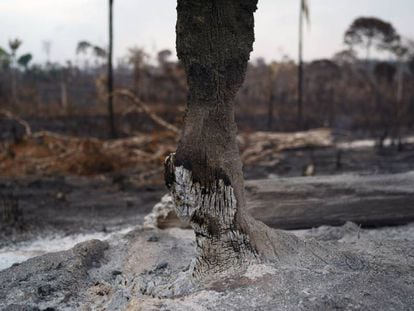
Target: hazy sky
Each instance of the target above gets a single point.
(150, 24)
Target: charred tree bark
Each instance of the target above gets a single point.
(214, 41)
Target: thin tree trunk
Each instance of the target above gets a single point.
(270, 112)
(369, 44)
(14, 79)
(300, 71)
(14, 87)
(110, 80)
(63, 94)
(214, 41)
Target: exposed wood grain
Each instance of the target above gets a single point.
(304, 202)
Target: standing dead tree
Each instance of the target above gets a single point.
(110, 79)
(303, 13)
(214, 41)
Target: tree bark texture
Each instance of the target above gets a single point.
(214, 41)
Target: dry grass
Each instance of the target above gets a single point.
(45, 153)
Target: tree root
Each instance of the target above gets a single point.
(228, 240)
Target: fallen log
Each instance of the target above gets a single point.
(263, 147)
(306, 202)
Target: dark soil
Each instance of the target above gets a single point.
(68, 204)
(32, 206)
(293, 163)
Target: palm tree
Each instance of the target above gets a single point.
(98, 52)
(303, 13)
(110, 80)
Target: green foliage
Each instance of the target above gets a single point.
(24, 60)
(9, 59)
(5, 59)
(3, 53)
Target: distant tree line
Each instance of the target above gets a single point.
(345, 92)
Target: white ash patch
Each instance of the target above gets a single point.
(163, 215)
(207, 297)
(256, 271)
(161, 209)
(23, 251)
(200, 301)
(330, 233)
(370, 143)
(351, 233)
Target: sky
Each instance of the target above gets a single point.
(150, 24)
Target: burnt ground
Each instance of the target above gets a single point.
(115, 274)
(332, 161)
(33, 206)
(64, 205)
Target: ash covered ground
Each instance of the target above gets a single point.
(126, 265)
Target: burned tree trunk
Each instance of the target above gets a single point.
(110, 79)
(214, 41)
